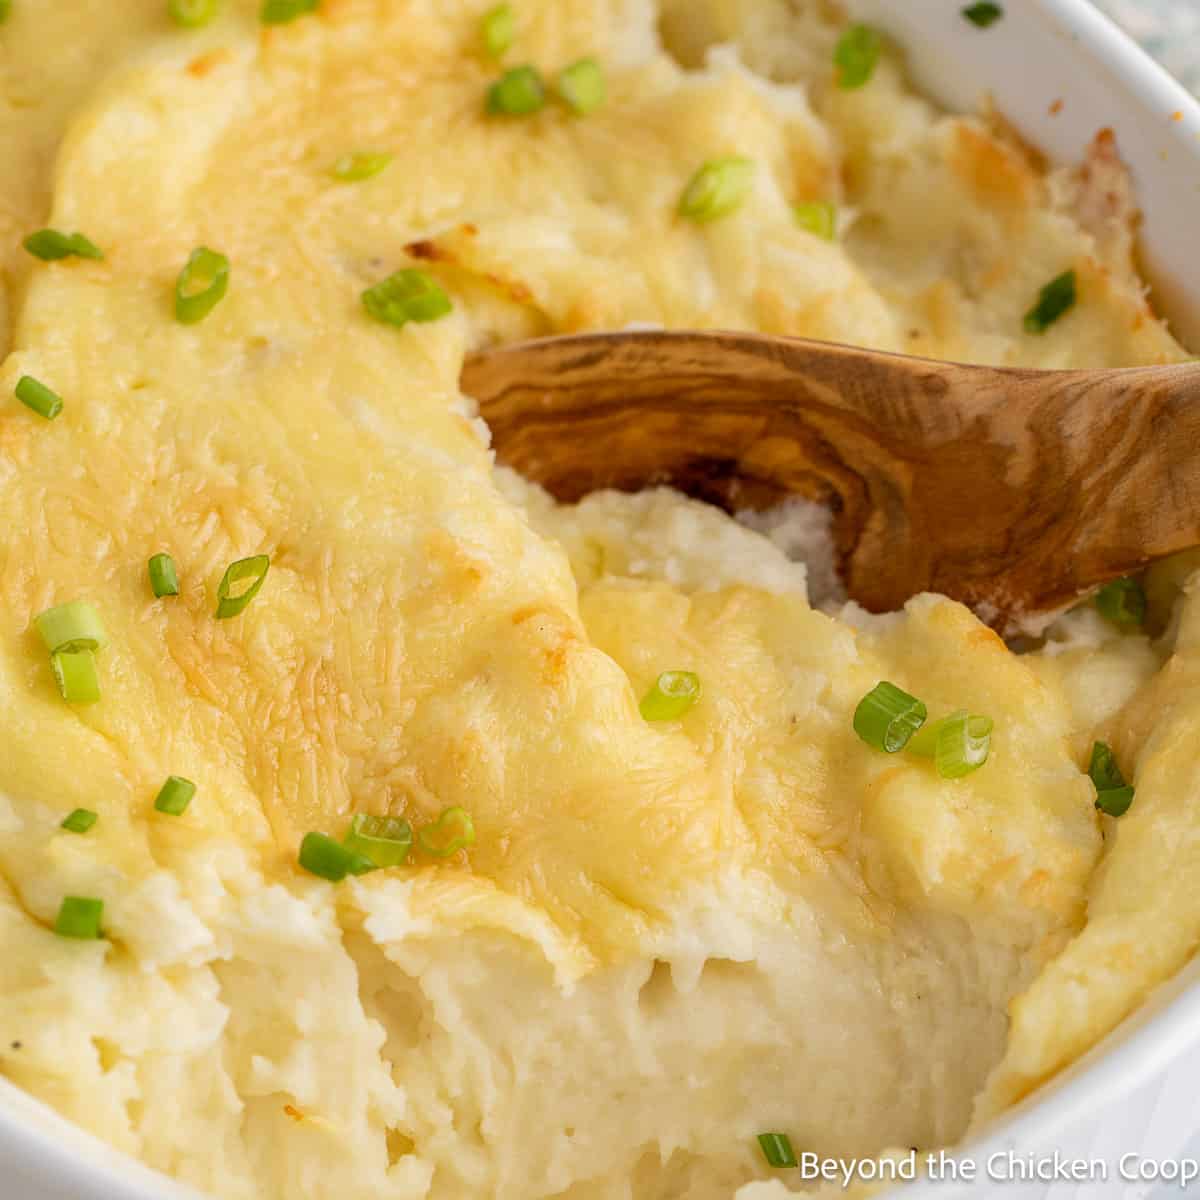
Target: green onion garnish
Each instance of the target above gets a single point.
(1102, 768)
(80, 821)
(386, 841)
(280, 12)
(201, 285)
(192, 13)
(76, 675)
(1123, 602)
(255, 569)
(856, 55)
(73, 626)
(321, 855)
(517, 93)
(360, 165)
(983, 14)
(174, 796)
(777, 1149)
(498, 29)
(582, 86)
(887, 717)
(452, 831)
(717, 188)
(163, 579)
(1056, 298)
(5, 9)
(1113, 794)
(958, 744)
(39, 397)
(72, 632)
(50, 245)
(673, 693)
(408, 295)
(79, 917)
(818, 217)
(1115, 802)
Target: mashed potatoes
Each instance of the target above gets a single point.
(667, 937)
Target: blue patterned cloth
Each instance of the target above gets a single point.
(1169, 29)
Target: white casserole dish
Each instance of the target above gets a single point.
(1135, 1092)
(1044, 51)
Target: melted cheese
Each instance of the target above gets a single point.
(665, 937)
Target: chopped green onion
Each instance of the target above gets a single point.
(582, 86)
(958, 744)
(517, 93)
(76, 674)
(717, 188)
(386, 841)
(457, 824)
(1113, 794)
(174, 796)
(856, 55)
(50, 245)
(887, 717)
(673, 693)
(923, 743)
(498, 29)
(321, 855)
(163, 579)
(5, 9)
(360, 165)
(280, 12)
(964, 743)
(39, 397)
(1123, 602)
(73, 626)
(408, 295)
(79, 917)
(255, 569)
(983, 14)
(1115, 802)
(777, 1149)
(192, 13)
(1056, 298)
(201, 285)
(80, 821)
(818, 217)
(1103, 770)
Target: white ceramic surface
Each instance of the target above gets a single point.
(1137, 1091)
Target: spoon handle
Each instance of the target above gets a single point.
(1015, 491)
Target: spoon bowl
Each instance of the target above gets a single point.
(1014, 491)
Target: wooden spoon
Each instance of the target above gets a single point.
(1014, 491)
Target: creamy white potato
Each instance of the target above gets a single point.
(666, 937)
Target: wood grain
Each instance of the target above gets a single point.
(1015, 491)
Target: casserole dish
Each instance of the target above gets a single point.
(1128, 1093)
(73, 1185)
